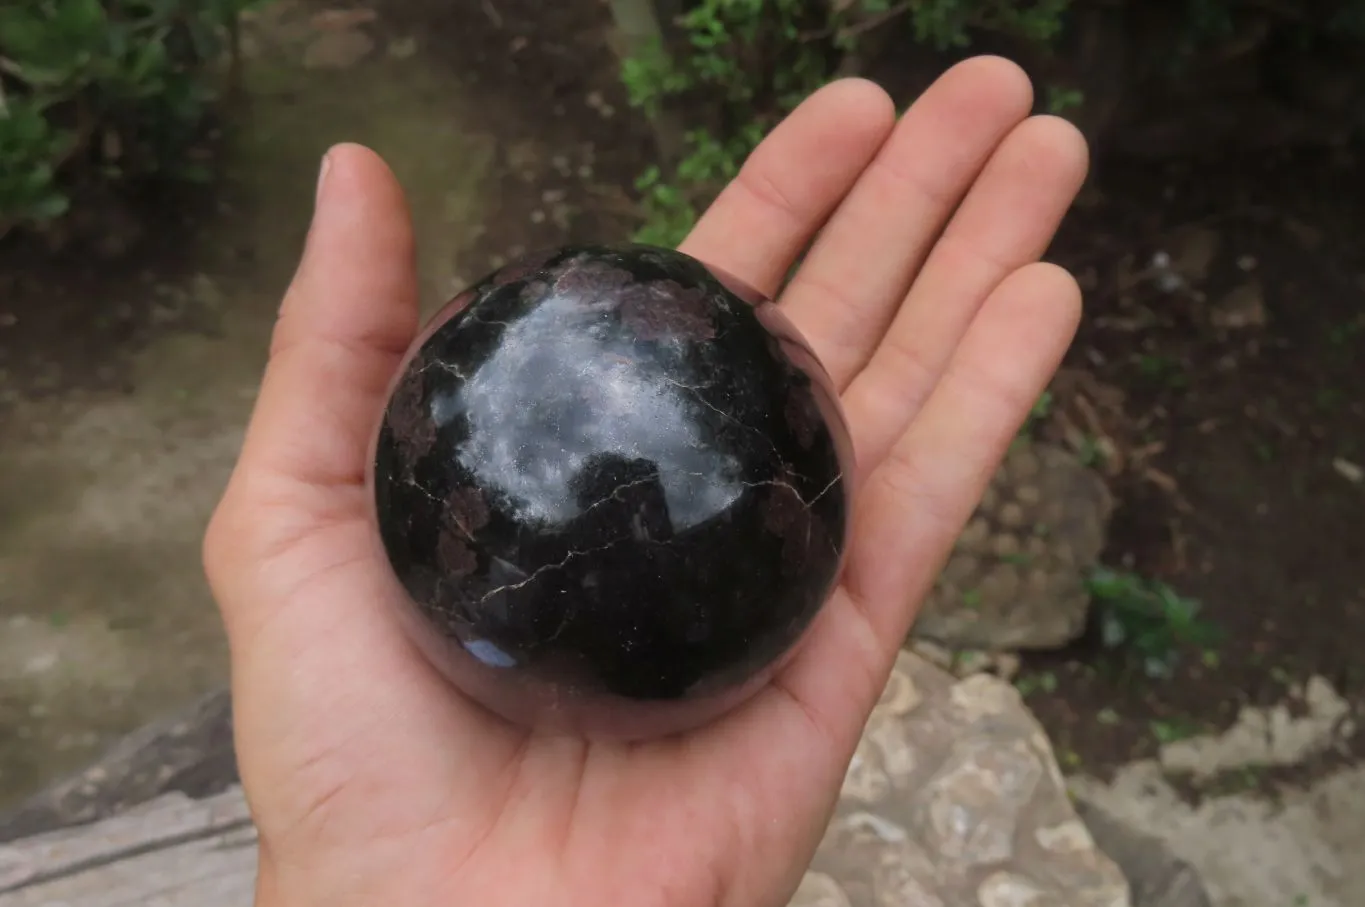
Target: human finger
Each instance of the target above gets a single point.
(1007, 220)
(344, 323)
(858, 271)
(760, 223)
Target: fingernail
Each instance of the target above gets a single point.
(322, 175)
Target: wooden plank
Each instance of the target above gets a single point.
(171, 852)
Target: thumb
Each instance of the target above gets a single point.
(346, 320)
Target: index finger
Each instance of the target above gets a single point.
(792, 182)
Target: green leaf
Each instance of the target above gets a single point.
(49, 207)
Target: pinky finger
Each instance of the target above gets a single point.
(920, 496)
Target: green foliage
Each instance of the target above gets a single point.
(949, 23)
(746, 63)
(103, 90)
(1148, 620)
(753, 61)
(747, 60)
(670, 209)
(1060, 100)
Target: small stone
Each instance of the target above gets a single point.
(976, 533)
(1307, 235)
(1348, 470)
(999, 588)
(960, 568)
(402, 48)
(1007, 665)
(41, 663)
(1005, 545)
(1244, 307)
(1194, 251)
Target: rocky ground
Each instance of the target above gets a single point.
(1208, 432)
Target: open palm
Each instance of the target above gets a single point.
(372, 782)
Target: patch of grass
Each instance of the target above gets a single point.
(1148, 621)
(1090, 453)
(1173, 730)
(1040, 682)
(1163, 370)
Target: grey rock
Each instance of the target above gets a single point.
(1016, 577)
(189, 752)
(954, 799)
(1158, 878)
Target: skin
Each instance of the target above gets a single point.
(373, 783)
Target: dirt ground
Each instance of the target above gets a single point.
(1240, 356)
(1241, 360)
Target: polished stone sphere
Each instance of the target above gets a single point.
(614, 484)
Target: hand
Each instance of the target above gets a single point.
(373, 782)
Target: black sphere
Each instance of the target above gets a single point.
(615, 485)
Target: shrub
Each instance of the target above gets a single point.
(1148, 620)
(750, 62)
(734, 67)
(94, 92)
